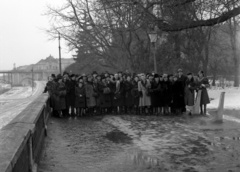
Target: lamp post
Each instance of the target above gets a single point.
(59, 48)
(153, 39)
(32, 79)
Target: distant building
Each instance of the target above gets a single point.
(49, 65)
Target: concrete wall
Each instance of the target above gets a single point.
(22, 139)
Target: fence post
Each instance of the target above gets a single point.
(33, 165)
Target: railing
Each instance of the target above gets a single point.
(22, 139)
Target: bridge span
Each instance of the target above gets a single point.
(21, 78)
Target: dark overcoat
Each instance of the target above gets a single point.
(155, 94)
(183, 79)
(166, 93)
(129, 99)
(135, 93)
(189, 92)
(104, 98)
(204, 95)
(177, 95)
(80, 97)
(70, 97)
(60, 97)
(51, 88)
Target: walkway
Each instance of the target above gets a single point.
(141, 144)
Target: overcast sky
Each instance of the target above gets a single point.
(22, 40)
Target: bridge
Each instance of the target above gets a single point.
(21, 78)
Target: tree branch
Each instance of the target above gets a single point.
(162, 25)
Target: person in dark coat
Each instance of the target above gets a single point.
(90, 99)
(60, 96)
(182, 78)
(118, 93)
(177, 95)
(161, 98)
(50, 88)
(170, 79)
(80, 99)
(104, 95)
(70, 83)
(166, 94)
(96, 94)
(135, 94)
(203, 84)
(155, 94)
(189, 95)
(129, 99)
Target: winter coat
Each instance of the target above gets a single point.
(80, 100)
(51, 88)
(129, 99)
(143, 88)
(135, 93)
(118, 98)
(104, 95)
(155, 94)
(189, 92)
(204, 95)
(96, 93)
(60, 97)
(70, 97)
(182, 80)
(166, 93)
(177, 95)
(91, 100)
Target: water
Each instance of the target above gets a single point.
(140, 144)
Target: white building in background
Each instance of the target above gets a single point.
(49, 65)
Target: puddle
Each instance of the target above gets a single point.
(117, 136)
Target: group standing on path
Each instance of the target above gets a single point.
(123, 93)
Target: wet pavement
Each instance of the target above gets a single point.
(128, 143)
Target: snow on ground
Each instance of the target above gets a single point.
(232, 98)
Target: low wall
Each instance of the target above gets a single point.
(22, 139)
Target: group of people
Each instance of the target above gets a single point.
(125, 93)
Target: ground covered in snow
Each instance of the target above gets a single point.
(232, 98)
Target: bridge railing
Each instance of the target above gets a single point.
(22, 139)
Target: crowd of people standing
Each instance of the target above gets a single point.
(124, 93)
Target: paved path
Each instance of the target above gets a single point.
(141, 144)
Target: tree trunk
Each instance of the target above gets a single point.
(214, 79)
(205, 66)
(236, 71)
